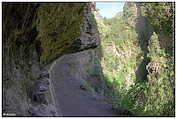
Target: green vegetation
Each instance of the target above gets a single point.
(129, 12)
(154, 97)
(58, 28)
(121, 58)
(126, 52)
(161, 81)
(124, 49)
(161, 17)
(87, 86)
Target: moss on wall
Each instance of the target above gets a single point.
(58, 27)
(139, 73)
(34, 33)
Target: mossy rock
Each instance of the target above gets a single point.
(58, 28)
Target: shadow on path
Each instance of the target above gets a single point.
(72, 100)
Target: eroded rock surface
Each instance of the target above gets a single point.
(32, 37)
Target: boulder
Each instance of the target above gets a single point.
(38, 91)
(41, 110)
(44, 74)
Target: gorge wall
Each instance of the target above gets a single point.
(133, 56)
(34, 35)
(129, 59)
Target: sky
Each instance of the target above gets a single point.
(109, 9)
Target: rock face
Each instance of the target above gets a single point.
(89, 37)
(133, 15)
(35, 34)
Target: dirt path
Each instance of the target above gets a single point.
(73, 101)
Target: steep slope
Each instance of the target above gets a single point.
(132, 69)
(138, 69)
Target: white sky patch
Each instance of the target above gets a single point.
(109, 9)
(114, 9)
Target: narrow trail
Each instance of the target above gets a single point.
(73, 101)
